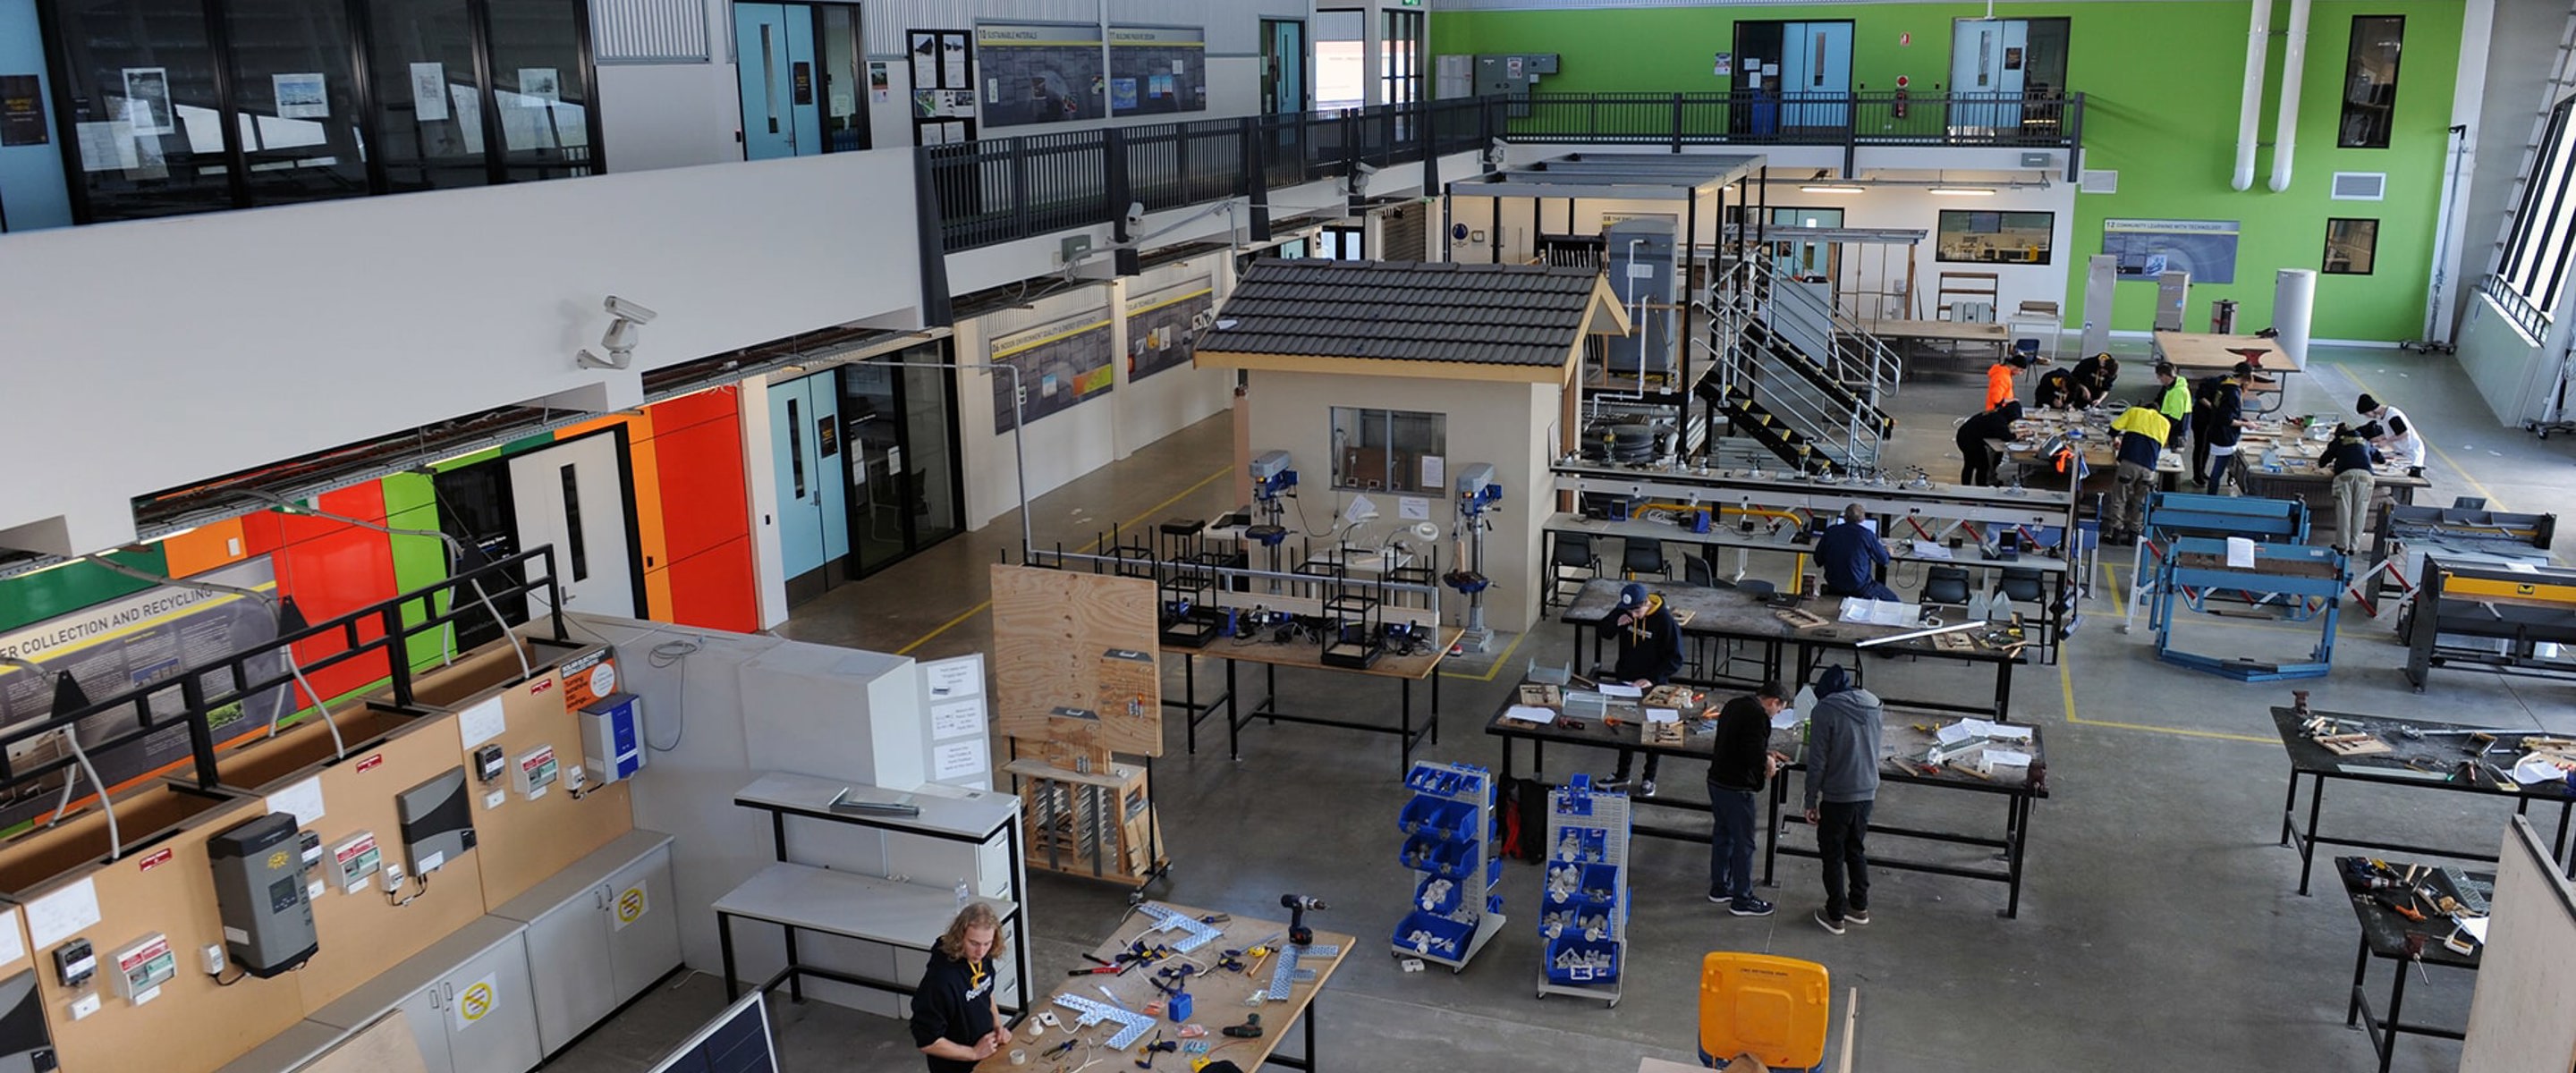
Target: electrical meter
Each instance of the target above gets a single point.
(537, 770)
(142, 966)
(356, 859)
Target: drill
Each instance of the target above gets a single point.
(1297, 905)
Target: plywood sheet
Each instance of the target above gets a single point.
(383, 1047)
(363, 932)
(1084, 641)
(2527, 974)
(525, 840)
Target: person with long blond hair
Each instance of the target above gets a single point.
(956, 1020)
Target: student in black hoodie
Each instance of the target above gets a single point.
(1738, 770)
(1979, 459)
(956, 1020)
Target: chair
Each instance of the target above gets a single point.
(1775, 1009)
(1642, 556)
(1696, 571)
(2022, 584)
(1945, 585)
(1755, 587)
(1569, 551)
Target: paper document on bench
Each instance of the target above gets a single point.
(1615, 689)
(1787, 718)
(1880, 612)
(2240, 553)
(1523, 713)
(1927, 549)
(2006, 757)
(1663, 715)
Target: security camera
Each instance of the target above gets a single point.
(625, 310)
(619, 340)
(1363, 168)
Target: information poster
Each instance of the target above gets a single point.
(22, 110)
(2146, 249)
(1162, 328)
(1158, 69)
(1041, 72)
(147, 96)
(1061, 365)
(135, 640)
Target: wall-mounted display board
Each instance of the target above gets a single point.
(2147, 249)
(943, 86)
(1041, 72)
(1157, 69)
(1061, 364)
(137, 640)
(1162, 327)
(1076, 660)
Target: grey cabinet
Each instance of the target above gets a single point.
(599, 933)
(467, 999)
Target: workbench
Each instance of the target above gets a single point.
(2299, 477)
(1947, 336)
(1217, 1001)
(2020, 787)
(2384, 935)
(2196, 354)
(1735, 615)
(2441, 753)
(1404, 669)
(802, 898)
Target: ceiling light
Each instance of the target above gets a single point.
(1963, 191)
(1833, 189)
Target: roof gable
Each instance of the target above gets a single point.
(1528, 316)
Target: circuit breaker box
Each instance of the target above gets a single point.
(259, 887)
(612, 737)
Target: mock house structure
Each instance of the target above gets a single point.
(1390, 379)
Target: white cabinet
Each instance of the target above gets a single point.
(599, 933)
(468, 1000)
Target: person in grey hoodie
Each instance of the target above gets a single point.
(1842, 783)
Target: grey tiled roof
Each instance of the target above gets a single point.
(1401, 311)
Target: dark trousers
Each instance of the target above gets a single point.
(1730, 843)
(2199, 450)
(1873, 591)
(1628, 759)
(1841, 828)
(1978, 462)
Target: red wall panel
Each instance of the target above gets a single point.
(723, 402)
(704, 501)
(715, 589)
(330, 569)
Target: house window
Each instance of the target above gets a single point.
(2352, 245)
(2370, 81)
(1996, 238)
(1393, 451)
(2533, 264)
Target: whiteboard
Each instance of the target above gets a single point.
(2527, 976)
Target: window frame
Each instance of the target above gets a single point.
(2543, 237)
(2385, 125)
(1398, 461)
(2048, 252)
(2325, 262)
(1400, 68)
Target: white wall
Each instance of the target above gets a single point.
(2505, 364)
(257, 336)
(1507, 425)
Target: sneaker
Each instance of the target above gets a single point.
(1646, 788)
(1856, 916)
(1719, 898)
(1750, 906)
(1828, 923)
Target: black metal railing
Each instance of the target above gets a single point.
(1002, 190)
(2533, 320)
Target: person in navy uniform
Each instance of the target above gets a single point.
(956, 1020)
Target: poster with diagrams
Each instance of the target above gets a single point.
(1162, 327)
(1158, 69)
(1061, 364)
(1041, 72)
(2146, 249)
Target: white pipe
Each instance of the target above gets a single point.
(2294, 54)
(2249, 115)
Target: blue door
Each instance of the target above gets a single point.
(1815, 74)
(781, 82)
(813, 495)
(1987, 65)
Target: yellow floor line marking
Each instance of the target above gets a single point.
(2066, 692)
(1499, 661)
(1086, 550)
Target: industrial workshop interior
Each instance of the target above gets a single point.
(1204, 535)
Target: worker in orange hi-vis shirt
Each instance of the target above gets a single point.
(1999, 379)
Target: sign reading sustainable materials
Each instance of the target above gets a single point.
(1041, 72)
(1060, 364)
(1162, 328)
(1158, 69)
(2146, 249)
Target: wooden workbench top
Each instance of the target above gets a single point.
(1310, 655)
(2202, 351)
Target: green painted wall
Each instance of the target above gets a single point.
(419, 561)
(2161, 82)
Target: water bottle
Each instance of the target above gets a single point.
(965, 893)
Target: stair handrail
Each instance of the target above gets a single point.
(1875, 364)
(1816, 416)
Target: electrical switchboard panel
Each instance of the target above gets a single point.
(259, 887)
(612, 737)
(143, 965)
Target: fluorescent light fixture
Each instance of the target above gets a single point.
(1833, 189)
(1963, 191)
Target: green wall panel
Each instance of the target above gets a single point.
(419, 561)
(2161, 84)
(32, 598)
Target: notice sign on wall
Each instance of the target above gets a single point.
(1041, 72)
(1158, 68)
(22, 110)
(1162, 328)
(1060, 365)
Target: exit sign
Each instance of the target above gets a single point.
(1412, 3)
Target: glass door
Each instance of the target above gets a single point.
(1283, 66)
(904, 488)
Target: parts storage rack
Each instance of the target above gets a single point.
(1583, 910)
(1449, 827)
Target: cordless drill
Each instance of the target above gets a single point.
(1297, 904)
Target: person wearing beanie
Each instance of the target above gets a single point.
(1842, 785)
(1999, 378)
(2397, 437)
(2098, 373)
(1650, 654)
(1979, 458)
(1740, 767)
(2064, 389)
(2349, 456)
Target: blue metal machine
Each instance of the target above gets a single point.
(2303, 583)
(2175, 516)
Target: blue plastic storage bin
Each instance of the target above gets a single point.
(1577, 945)
(1439, 936)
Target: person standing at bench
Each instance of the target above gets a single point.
(1978, 458)
(1650, 654)
(1842, 785)
(956, 1019)
(1740, 767)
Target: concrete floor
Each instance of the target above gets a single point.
(2159, 926)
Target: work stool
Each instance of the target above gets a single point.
(1643, 556)
(1568, 551)
(1774, 1009)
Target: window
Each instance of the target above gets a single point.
(2351, 246)
(1400, 57)
(1397, 451)
(1996, 238)
(1341, 54)
(2370, 81)
(2533, 264)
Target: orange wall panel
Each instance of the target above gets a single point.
(704, 406)
(205, 548)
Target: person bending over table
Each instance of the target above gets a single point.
(1739, 768)
(956, 1019)
(1850, 556)
(2098, 373)
(1650, 654)
(2390, 431)
(1980, 459)
(2063, 389)
(2349, 457)
(1842, 785)
(2142, 435)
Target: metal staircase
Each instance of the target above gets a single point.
(1791, 373)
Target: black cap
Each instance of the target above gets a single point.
(2366, 404)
